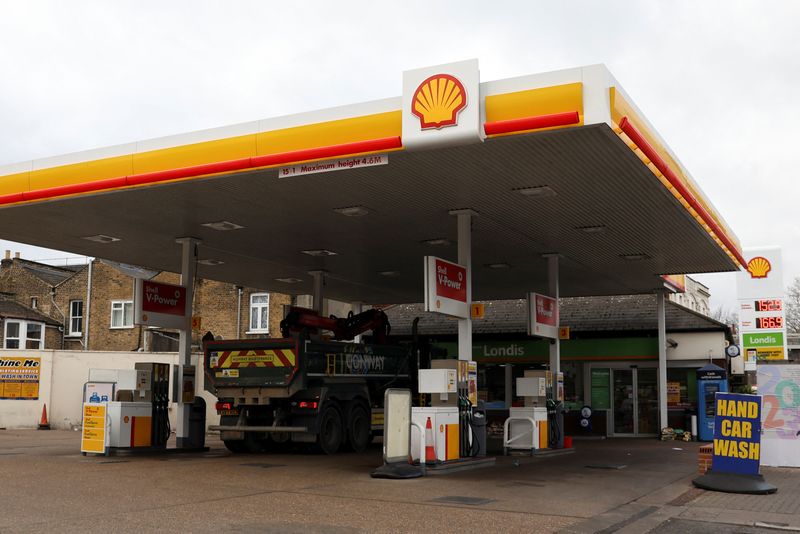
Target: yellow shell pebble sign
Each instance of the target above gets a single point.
(93, 435)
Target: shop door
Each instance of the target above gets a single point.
(635, 401)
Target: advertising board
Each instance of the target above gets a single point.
(19, 377)
(446, 287)
(761, 307)
(157, 304)
(542, 316)
(737, 434)
(779, 386)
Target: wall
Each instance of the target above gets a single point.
(62, 376)
(109, 284)
(71, 289)
(697, 346)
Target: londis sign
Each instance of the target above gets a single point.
(446, 287)
(737, 433)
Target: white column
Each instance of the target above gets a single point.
(188, 269)
(357, 308)
(552, 284)
(662, 359)
(465, 259)
(317, 296)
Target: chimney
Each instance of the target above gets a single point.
(8, 255)
(6, 262)
(16, 255)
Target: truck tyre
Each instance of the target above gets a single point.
(236, 446)
(359, 427)
(331, 429)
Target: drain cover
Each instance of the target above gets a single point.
(607, 466)
(262, 465)
(460, 499)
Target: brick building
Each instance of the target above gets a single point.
(56, 297)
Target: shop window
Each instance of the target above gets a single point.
(23, 334)
(121, 314)
(573, 385)
(75, 324)
(681, 388)
(259, 313)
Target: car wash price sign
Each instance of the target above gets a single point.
(446, 287)
(737, 434)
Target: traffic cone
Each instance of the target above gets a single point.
(43, 423)
(430, 449)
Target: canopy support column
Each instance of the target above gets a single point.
(662, 359)
(319, 284)
(464, 217)
(555, 349)
(188, 271)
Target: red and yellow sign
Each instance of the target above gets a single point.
(478, 310)
(563, 332)
(438, 100)
(93, 434)
(232, 359)
(759, 267)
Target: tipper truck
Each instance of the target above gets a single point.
(304, 388)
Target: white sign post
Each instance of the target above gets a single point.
(762, 326)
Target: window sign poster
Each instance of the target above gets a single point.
(19, 378)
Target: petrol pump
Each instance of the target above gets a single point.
(452, 386)
(137, 404)
(534, 425)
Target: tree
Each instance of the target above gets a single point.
(793, 306)
(725, 315)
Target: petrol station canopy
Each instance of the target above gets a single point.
(558, 163)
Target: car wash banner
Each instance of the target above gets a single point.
(737, 434)
(19, 378)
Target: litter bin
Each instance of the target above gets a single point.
(479, 429)
(197, 424)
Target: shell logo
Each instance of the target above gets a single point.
(438, 101)
(758, 267)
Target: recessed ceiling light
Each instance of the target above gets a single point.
(390, 274)
(634, 257)
(289, 280)
(102, 238)
(352, 211)
(210, 262)
(539, 191)
(223, 226)
(319, 252)
(498, 265)
(597, 229)
(437, 241)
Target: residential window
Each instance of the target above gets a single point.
(259, 313)
(75, 326)
(23, 334)
(34, 302)
(121, 314)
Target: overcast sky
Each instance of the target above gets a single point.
(718, 80)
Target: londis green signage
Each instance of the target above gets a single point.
(763, 345)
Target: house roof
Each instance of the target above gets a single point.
(49, 274)
(581, 314)
(10, 309)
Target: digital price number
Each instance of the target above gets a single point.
(769, 322)
(769, 305)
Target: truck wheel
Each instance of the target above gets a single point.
(236, 446)
(331, 432)
(359, 427)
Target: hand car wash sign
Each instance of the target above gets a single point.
(159, 304)
(446, 287)
(737, 434)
